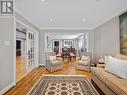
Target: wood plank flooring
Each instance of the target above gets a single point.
(24, 85)
(20, 68)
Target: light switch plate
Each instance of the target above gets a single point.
(7, 43)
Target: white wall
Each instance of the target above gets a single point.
(107, 38)
(7, 52)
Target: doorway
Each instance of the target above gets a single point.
(18, 48)
(56, 45)
(26, 49)
(20, 59)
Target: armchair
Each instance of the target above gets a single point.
(84, 63)
(53, 65)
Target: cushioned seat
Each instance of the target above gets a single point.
(119, 86)
(56, 63)
(82, 62)
(116, 84)
(53, 63)
(99, 72)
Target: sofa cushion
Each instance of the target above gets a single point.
(119, 86)
(102, 74)
(105, 59)
(98, 72)
(80, 62)
(116, 84)
(54, 63)
(117, 66)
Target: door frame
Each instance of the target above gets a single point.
(36, 45)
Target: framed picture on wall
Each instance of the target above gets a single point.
(49, 43)
(123, 34)
(68, 43)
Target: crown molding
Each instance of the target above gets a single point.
(109, 18)
(18, 13)
(90, 28)
(67, 28)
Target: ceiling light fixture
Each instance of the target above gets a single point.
(43, 0)
(98, 0)
(51, 20)
(83, 20)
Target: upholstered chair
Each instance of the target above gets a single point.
(84, 64)
(54, 64)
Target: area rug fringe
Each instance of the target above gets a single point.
(66, 75)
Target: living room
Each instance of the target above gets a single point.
(77, 47)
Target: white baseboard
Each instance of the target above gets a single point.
(7, 88)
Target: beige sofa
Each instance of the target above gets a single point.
(108, 83)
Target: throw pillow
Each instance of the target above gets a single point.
(85, 58)
(105, 59)
(52, 58)
(117, 67)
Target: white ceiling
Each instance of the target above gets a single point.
(70, 13)
(64, 36)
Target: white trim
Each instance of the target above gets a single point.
(68, 28)
(7, 88)
(36, 52)
(19, 21)
(14, 55)
(19, 13)
(35, 31)
(7, 16)
(63, 75)
(14, 49)
(67, 33)
(109, 18)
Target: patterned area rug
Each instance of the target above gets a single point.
(63, 85)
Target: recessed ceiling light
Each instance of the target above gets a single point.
(51, 20)
(83, 19)
(43, 0)
(98, 0)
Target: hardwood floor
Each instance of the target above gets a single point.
(24, 85)
(20, 68)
